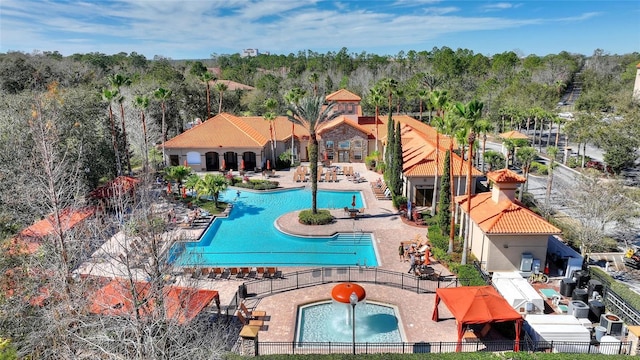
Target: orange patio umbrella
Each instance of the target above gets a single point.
(185, 162)
(242, 164)
(184, 192)
(223, 166)
(168, 187)
(268, 164)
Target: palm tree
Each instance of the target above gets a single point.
(293, 96)
(270, 116)
(313, 79)
(471, 114)
(439, 101)
(142, 103)
(207, 77)
(484, 126)
(211, 185)
(162, 95)
(399, 93)
(117, 81)
(178, 173)
(423, 96)
(311, 114)
(494, 159)
(376, 98)
(221, 88)
(389, 85)
(526, 156)
(109, 95)
(552, 151)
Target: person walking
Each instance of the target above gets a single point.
(412, 261)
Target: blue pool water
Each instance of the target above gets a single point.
(248, 236)
(330, 321)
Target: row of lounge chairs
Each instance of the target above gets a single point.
(381, 192)
(222, 273)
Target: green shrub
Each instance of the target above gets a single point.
(398, 200)
(539, 169)
(257, 184)
(467, 274)
(323, 217)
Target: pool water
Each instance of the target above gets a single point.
(331, 321)
(248, 236)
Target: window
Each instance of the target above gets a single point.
(328, 144)
(357, 144)
(357, 154)
(193, 158)
(330, 154)
(344, 144)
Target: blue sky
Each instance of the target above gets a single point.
(195, 29)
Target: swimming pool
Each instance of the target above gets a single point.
(248, 236)
(331, 321)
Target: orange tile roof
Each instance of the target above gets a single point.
(343, 95)
(505, 217)
(181, 304)
(513, 134)
(222, 130)
(68, 219)
(340, 120)
(505, 176)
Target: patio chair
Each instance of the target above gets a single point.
(215, 272)
(334, 176)
(244, 271)
(245, 321)
(252, 314)
(252, 273)
(226, 273)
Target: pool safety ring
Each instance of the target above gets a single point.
(343, 291)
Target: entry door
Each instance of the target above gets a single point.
(343, 156)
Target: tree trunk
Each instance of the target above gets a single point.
(313, 164)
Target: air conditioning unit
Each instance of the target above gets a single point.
(578, 309)
(612, 323)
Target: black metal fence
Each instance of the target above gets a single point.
(326, 275)
(269, 348)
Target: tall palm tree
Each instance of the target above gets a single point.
(376, 98)
(207, 77)
(526, 156)
(552, 151)
(423, 96)
(311, 113)
(389, 85)
(211, 185)
(471, 113)
(449, 125)
(109, 96)
(293, 96)
(270, 116)
(163, 95)
(484, 126)
(399, 93)
(142, 103)
(221, 88)
(117, 81)
(313, 79)
(439, 101)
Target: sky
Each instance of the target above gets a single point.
(198, 29)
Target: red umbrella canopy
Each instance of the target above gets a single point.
(268, 165)
(353, 201)
(223, 166)
(242, 164)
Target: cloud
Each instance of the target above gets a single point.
(499, 6)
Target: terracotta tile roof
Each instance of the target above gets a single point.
(181, 304)
(231, 85)
(340, 120)
(222, 130)
(505, 176)
(68, 219)
(513, 134)
(427, 167)
(343, 95)
(505, 217)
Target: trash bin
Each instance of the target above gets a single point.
(600, 332)
(596, 308)
(242, 291)
(594, 286)
(567, 285)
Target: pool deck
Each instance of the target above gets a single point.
(380, 219)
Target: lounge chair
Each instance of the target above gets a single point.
(252, 314)
(346, 210)
(274, 273)
(225, 274)
(334, 176)
(320, 178)
(252, 273)
(215, 272)
(233, 271)
(260, 272)
(327, 176)
(245, 321)
(244, 271)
